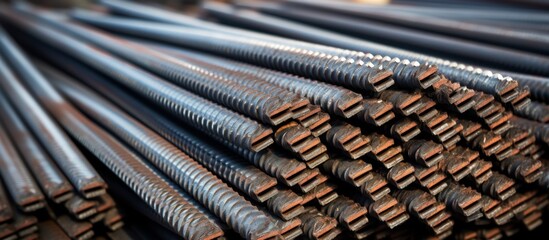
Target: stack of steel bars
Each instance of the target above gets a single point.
(204, 130)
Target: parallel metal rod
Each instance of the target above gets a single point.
(58, 144)
(247, 220)
(188, 107)
(50, 178)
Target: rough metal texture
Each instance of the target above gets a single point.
(521, 139)
(387, 210)
(407, 73)
(376, 187)
(317, 225)
(490, 185)
(48, 176)
(58, 144)
(249, 79)
(432, 179)
(405, 103)
(544, 179)
(333, 99)
(404, 130)
(267, 108)
(385, 151)
(455, 165)
(452, 94)
(470, 129)
(315, 65)
(427, 110)
(354, 172)
(481, 170)
(424, 206)
(469, 75)
(499, 186)
(23, 189)
(290, 229)
(522, 168)
(285, 204)
(25, 224)
(348, 139)
(188, 107)
(313, 178)
(376, 111)
(81, 208)
(299, 140)
(401, 175)
(460, 199)
(247, 220)
(540, 130)
(157, 192)
(350, 214)
(323, 194)
(314, 119)
(424, 152)
(286, 169)
(233, 169)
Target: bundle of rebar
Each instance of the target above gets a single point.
(267, 127)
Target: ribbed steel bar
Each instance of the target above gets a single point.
(387, 210)
(318, 226)
(477, 32)
(522, 168)
(535, 111)
(470, 76)
(354, 172)
(424, 206)
(19, 181)
(540, 130)
(274, 162)
(498, 186)
(247, 220)
(400, 176)
(81, 208)
(424, 152)
(58, 144)
(129, 167)
(354, 74)
(350, 214)
(252, 80)
(333, 99)
(125, 195)
(460, 199)
(303, 32)
(449, 68)
(376, 112)
(188, 107)
(287, 170)
(290, 229)
(25, 224)
(348, 139)
(267, 108)
(240, 173)
(52, 181)
(479, 53)
(300, 141)
(422, 73)
(432, 179)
